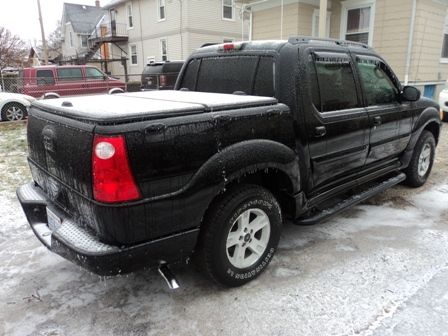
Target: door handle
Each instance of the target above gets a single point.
(320, 131)
(377, 121)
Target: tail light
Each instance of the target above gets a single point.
(162, 80)
(113, 181)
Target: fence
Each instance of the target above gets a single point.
(75, 85)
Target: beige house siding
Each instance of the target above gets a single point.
(391, 32)
(267, 23)
(427, 43)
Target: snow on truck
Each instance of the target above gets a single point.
(254, 133)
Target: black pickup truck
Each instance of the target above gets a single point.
(254, 133)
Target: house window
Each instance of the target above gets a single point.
(71, 39)
(227, 9)
(161, 10)
(315, 24)
(163, 49)
(357, 21)
(84, 41)
(129, 15)
(133, 52)
(445, 42)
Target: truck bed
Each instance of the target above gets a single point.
(129, 107)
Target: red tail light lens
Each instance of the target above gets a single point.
(113, 181)
(162, 80)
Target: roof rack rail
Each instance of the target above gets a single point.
(343, 43)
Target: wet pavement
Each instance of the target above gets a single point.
(380, 268)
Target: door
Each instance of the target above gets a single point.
(71, 81)
(389, 121)
(97, 82)
(113, 23)
(336, 122)
(44, 83)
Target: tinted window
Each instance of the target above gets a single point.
(94, 73)
(336, 84)
(227, 74)
(189, 77)
(69, 74)
(378, 88)
(44, 77)
(264, 79)
(249, 74)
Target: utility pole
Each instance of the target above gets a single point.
(44, 42)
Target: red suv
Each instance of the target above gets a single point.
(67, 80)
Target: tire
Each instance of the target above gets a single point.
(240, 235)
(422, 160)
(13, 112)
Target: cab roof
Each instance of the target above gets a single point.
(275, 45)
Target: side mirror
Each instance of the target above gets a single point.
(410, 93)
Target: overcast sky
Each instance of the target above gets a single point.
(21, 16)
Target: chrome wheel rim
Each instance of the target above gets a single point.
(14, 113)
(248, 238)
(424, 160)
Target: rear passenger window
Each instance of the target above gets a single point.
(378, 88)
(70, 74)
(45, 77)
(336, 84)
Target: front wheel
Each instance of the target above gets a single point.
(422, 160)
(13, 112)
(240, 235)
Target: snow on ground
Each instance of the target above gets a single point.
(380, 268)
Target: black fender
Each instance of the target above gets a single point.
(247, 157)
(429, 115)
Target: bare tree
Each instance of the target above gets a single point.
(55, 40)
(12, 49)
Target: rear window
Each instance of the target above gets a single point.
(69, 74)
(253, 75)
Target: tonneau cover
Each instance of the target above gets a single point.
(126, 107)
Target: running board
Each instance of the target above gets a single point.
(352, 200)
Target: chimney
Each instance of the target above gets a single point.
(97, 3)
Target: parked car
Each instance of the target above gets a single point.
(153, 178)
(160, 75)
(14, 106)
(443, 102)
(54, 81)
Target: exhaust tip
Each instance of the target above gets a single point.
(169, 277)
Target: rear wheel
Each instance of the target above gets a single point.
(13, 112)
(422, 160)
(240, 235)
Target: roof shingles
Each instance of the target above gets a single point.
(83, 18)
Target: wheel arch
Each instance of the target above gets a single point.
(267, 163)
